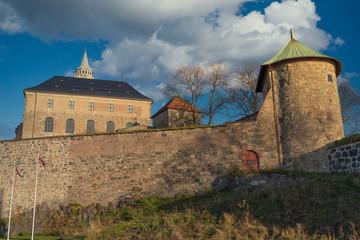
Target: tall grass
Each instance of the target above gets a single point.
(327, 207)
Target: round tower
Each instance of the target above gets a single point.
(306, 105)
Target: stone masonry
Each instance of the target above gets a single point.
(345, 158)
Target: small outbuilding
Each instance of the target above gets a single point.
(177, 113)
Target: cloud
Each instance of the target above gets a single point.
(10, 23)
(148, 40)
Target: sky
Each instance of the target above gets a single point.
(144, 42)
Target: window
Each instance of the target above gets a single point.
(281, 120)
(330, 78)
(91, 106)
(130, 109)
(50, 103)
(129, 124)
(90, 128)
(70, 125)
(329, 116)
(281, 82)
(71, 104)
(49, 123)
(111, 107)
(110, 126)
(249, 162)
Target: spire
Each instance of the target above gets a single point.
(84, 71)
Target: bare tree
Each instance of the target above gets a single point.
(350, 108)
(188, 85)
(243, 100)
(216, 80)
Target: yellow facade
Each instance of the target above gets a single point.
(38, 107)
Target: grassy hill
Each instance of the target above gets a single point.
(325, 207)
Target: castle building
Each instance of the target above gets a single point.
(82, 104)
(300, 84)
(177, 113)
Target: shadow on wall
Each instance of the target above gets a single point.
(2, 224)
(1, 201)
(313, 161)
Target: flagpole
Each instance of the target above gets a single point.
(11, 199)
(32, 232)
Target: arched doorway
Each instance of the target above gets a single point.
(250, 160)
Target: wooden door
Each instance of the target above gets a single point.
(250, 160)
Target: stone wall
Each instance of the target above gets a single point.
(345, 158)
(105, 168)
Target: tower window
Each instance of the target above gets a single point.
(91, 106)
(130, 109)
(110, 126)
(111, 107)
(70, 125)
(49, 123)
(71, 104)
(50, 103)
(329, 116)
(90, 127)
(330, 79)
(281, 82)
(280, 120)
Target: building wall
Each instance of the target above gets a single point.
(304, 102)
(161, 120)
(180, 118)
(34, 124)
(103, 168)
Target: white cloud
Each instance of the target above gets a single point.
(148, 40)
(10, 23)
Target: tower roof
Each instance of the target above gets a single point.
(293, 50)
(84, 71)
(84, 61)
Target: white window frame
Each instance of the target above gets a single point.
(130, 108)
(50, 103)
(111, 107)
(91, 106)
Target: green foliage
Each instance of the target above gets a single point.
(346, 140)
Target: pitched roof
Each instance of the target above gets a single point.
(250, 117)
(293, 50)
(177, 104)
(90, 87)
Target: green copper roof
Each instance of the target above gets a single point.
(294, 50)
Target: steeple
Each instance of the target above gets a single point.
(84, 71)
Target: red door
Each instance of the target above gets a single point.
(250, 160)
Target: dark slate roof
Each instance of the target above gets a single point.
(90, 87)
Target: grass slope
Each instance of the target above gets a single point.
(327, 207)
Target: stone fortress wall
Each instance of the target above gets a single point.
(102, 168)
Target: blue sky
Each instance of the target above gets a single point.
(143, 42)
